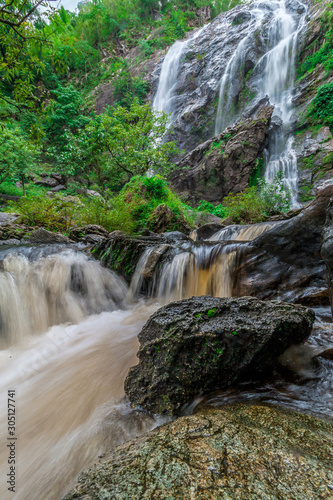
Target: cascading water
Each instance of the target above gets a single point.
(168, 79)
(69, 378)
(166, 95)
(274, 74)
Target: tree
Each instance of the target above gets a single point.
(114, 147)
(17, 155)
(22, 34)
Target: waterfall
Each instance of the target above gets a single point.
(278, 81)
(275, 75)
(230, 83)
(166, 95)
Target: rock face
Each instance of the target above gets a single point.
(121, 253)
(237, 452)
(42, 236)
(10, 230)
(92, 233)
(202, 344)
(224, 164)
(285, 262)
(327, 249)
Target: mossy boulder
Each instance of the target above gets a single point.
(202, 344)
(237, 452)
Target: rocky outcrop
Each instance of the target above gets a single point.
(121, 253)
(314, 148)
(285, 262)
(92, 234)
(202, 344)
(327, 249)
(41, 236)
(11, 230)
(224, 164)
(236, 452)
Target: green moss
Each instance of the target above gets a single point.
(212, 312)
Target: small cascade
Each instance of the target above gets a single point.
(202, 270)
(57, 289)
(138, 277)
(243, 233)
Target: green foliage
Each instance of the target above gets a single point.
(157, 187)
(275, 195)
(324, 55)
(257, 172)
(322, 108)
(246, 207)
(127, 88)
(218, 210)
(17, 155)
(131, 210)
(255, 203)
(215, 146)
(114, 147)
(63, 113)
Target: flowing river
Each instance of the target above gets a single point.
(69, 336)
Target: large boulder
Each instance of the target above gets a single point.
(224, 164)
(198, 345)
(41, 236)
(327, 249)
(237, 452)
(285, 262)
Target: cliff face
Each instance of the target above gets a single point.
(217, 77)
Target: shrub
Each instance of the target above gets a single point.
(275, 195)
(218, 210)
(322, 109)
(246, 207)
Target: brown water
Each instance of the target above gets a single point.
(69, 338)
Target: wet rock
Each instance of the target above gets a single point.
(224, 164)
(8, 197)
(198, 345)
(91, 192)
(153, 260)
(6, 218)
(285, 262)
(176, 235)
(327, 249)
(58, 177)
(236, 452)
(79, 233)
(11, 241)
(328, 354)
(121, 253)
(42, 236)
(207, 230)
